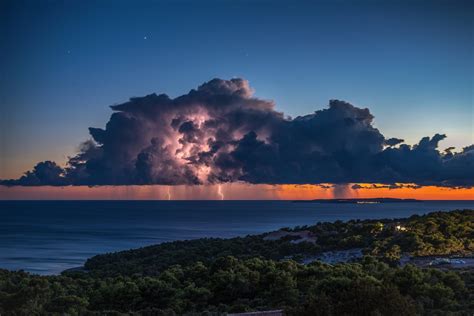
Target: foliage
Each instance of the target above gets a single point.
(439, 233)
(216, 276)
(229, 284)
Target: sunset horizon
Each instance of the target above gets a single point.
(236, 191)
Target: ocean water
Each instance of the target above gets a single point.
(47, 237)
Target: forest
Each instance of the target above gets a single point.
(219, 276)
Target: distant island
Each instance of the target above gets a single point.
(359, 201)
(421, 265)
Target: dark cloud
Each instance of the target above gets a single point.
(44, 173)
(221, 133)
(393, 141)
(391, 186)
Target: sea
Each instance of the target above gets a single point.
(47, 237)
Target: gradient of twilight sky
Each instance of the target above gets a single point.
(63, 62)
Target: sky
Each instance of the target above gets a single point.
(64, 62)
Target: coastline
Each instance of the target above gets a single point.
(282, 270)
(51, 236)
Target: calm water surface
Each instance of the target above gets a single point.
(47, 237)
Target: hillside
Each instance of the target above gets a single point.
(264, 272)
(438, 233)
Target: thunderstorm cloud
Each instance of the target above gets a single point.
(221, 133)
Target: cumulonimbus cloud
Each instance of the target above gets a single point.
(221, 133)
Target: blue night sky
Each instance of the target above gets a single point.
(64, 62)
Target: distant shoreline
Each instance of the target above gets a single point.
(359, 201)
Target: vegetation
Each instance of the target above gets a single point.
(438, 233)
(216, 276)
(232, 285)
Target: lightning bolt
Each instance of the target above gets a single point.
(219, 191)
(169, 194)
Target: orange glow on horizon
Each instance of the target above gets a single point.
(307, 192)
(232, 191)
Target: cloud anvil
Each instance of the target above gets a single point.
(221, 133)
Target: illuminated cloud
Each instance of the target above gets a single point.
(220, 133)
